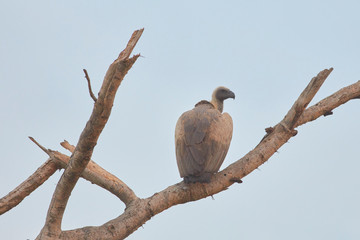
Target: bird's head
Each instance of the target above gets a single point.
(222, 93)
(219, 95)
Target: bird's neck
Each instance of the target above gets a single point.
(219, 105)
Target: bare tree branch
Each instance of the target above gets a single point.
(137, 210)
(300, 104)
(89, 85)
(304, 99)
(47, 151)
(31, 183)
(142, 210)
(99, 176)
(28, 186)
(88, 139)
(328, 104)
(93, 173)
(65, 144)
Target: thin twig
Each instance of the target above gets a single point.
(47, 151)
(89, 85)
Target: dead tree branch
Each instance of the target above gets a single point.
(88, 139)
(304, 99)
(137, 210)
(93, 173)
(142, 210)
(65, 144)
(13, 198)
(47, 151)
(99, 176)
(328, 104)
(89, 85)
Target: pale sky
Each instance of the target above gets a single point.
(264, 51)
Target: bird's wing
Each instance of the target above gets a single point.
(219, 138)
(192, 149)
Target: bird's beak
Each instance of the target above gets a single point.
(231, 95)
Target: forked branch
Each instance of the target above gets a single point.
(305, 98)
(138, 211)
(328, 104)
(88, 138)
(93, 173)
(99, 176)
(142, 210)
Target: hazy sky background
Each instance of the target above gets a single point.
(264, 51)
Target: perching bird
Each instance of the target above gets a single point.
(202, 138)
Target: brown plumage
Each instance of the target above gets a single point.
(202, 138)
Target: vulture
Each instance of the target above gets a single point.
(202, 138)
